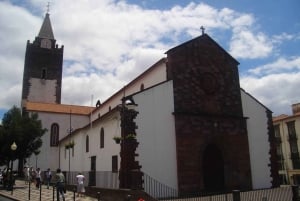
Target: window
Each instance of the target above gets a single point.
(278, 150)
(44, 73)
(114, 161)
(87, 144)
(102, 138)
(291, 128)
(54, 135)
(277, 131)
(142, 87)
(294, 147)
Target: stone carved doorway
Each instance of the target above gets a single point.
(213, 169)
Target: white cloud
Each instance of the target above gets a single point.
(108, 42)
(275, 84)
(280, 65)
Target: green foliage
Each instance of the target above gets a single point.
(24, 129)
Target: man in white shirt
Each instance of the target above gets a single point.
(80, 184)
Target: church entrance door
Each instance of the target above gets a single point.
(213, 168)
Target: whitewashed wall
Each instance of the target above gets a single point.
(48, 157)
(42, 90)
(258, 141)
(157, 74)
(81, 160)
(156, 134)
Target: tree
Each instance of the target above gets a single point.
(24, 129)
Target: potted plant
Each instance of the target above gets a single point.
(69, 145)
(117, 139)
(130, 137)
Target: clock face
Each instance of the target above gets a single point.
(46, 43)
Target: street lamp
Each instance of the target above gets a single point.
(13, 148)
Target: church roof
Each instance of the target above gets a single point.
(202, 38)
(58, 108)
(46, 29)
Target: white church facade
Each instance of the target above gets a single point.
(193, 127)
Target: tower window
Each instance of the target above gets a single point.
(44, 73)
(102, 138)
(87, 148)
(142, 87)
(54, 135)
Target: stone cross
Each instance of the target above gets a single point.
(202, 28)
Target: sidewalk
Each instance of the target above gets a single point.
(20, 193)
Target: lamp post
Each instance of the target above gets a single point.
(13, 148)
(70, 130)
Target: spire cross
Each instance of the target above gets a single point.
(48, 7)
(202, 28)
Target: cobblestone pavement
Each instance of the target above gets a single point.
(21, 191)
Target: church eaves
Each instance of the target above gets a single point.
(46, 29)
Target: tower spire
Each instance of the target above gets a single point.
(46, 29)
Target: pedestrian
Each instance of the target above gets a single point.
(80, 185)
(60, 184)
(37, 177)
(48, 177)
(32, 175)
(26, 174)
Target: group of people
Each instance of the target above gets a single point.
(32, 175)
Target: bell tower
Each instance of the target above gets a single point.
(42, 77)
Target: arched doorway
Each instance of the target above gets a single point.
(213, 168)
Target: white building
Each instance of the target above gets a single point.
(194, 128)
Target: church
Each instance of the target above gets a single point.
(184, 123)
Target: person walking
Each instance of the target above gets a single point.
(60, 184)
(48, 177)
(80, 185)
(38, 178)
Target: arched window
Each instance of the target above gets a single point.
(142, 87)
(54, 135)
(44, 73)
(87, 143)
(102, 138)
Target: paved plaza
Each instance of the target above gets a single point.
(21, 191)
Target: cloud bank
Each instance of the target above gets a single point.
(108, 43)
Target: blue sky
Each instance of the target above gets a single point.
(107, 43)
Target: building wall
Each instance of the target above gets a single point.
(38, 59)
(41, 90)
(156, 75)
(289, 173)
(48, 157)
(257, 126)
(156, 134)
(209, 121)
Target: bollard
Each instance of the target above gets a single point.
(295, 190)
(29, 189)
(128, 198)
(98, 196)
(236, 195)
(40, 185)
(74, 192)
(53, 194)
